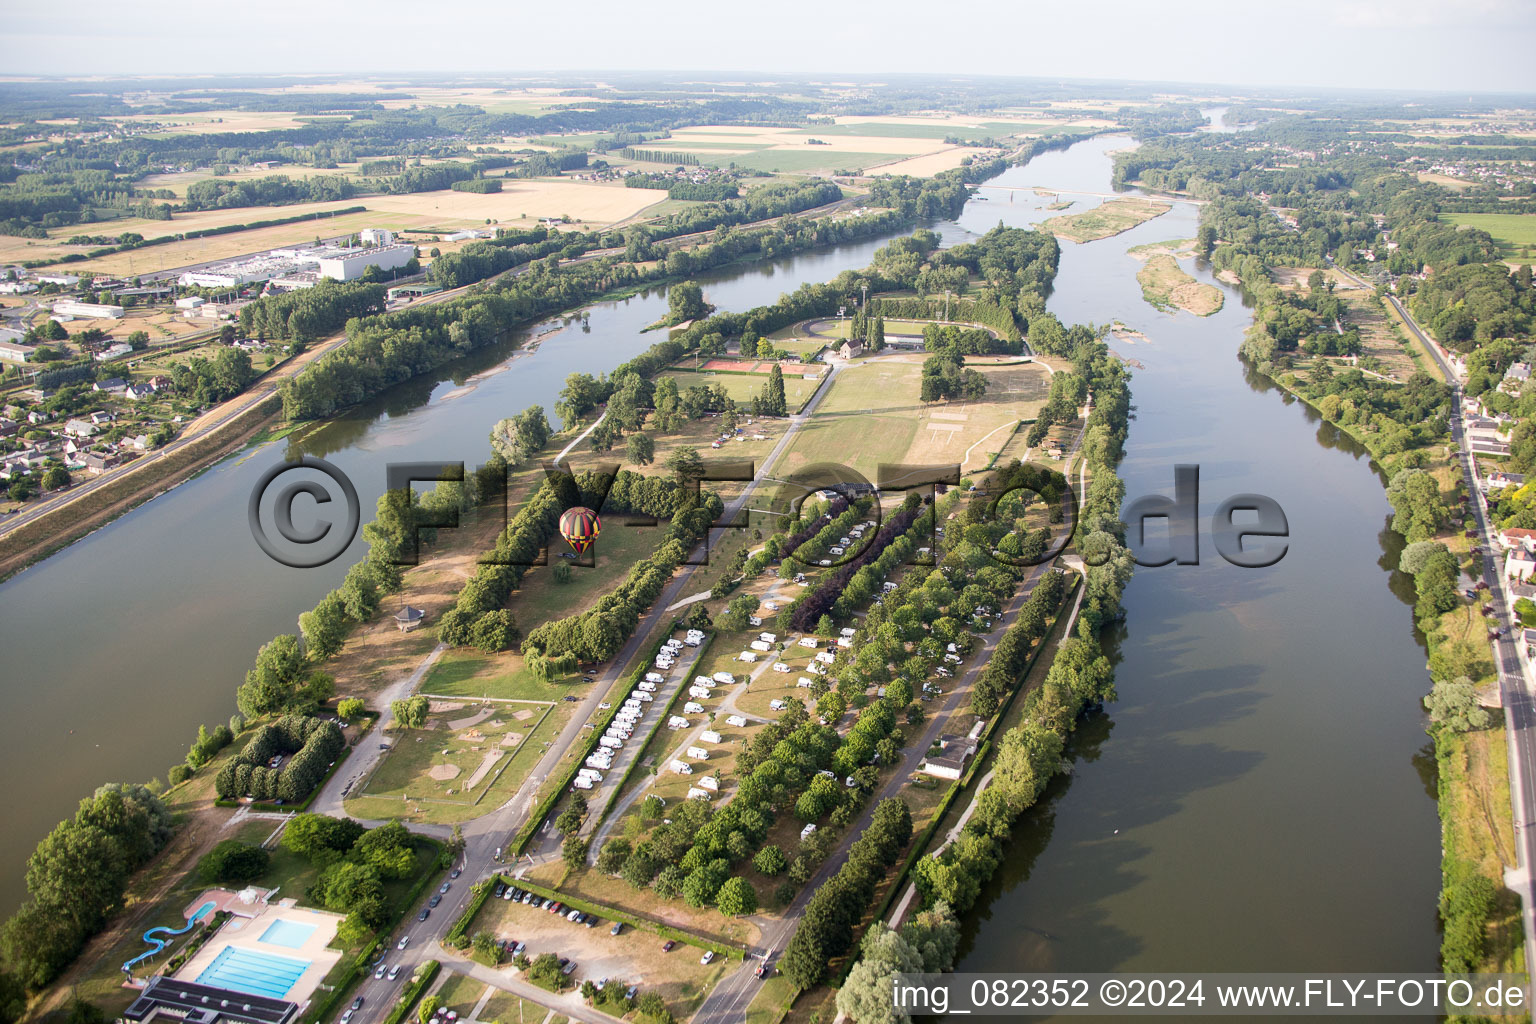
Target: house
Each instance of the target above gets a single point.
(75, 446)
(79, 428)
(115, 385)
(408, 618)
(97, 463)
(140, 443)
(1497, 479)
(139, 390)
(1516, 537)
(15, 352)
(101, 417)
(950, 764)
(1515, 377)
(8, 427)
(121, 348)
(1519, 564)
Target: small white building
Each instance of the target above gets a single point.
(96, 310)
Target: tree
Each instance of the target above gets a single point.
(1414, 555)
(268, 686)
(232, 861)
(1205, 240)
(736, 897)
(387, 849)
(427, 1009)
(641, 450)
(55, 477)
(519, 438)
(685, 301)
(614, 855)
(316, 835)
(770, 860)
(574, 851)
(686, 463)
(1454, 705)
(349, 709)
(410, 713)
(325, 627)
(494, 631)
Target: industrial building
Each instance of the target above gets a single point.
(99, 310)
(351, 264)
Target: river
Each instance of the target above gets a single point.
(1255, 798)
(1259, 766)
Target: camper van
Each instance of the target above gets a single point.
(736, 720)
(709, 736)
(701, 692)
(695, 793)
(646, 687)
(682, 767)
(806, 832)
(580, 783)
(760, 646)
(641, 696)
(844, 642)
(723, 678)
(610, 742)
(747, 656)
(777, 705)
(655, 677)
(693, 708)
(779, 666)
(710, 782)
(825, 657)
(768, 638)
(848, 632)
(590, 773)
(807, 641)
(677, 722)
(804, 682)
(698, 753)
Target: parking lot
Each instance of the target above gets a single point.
(633, 957)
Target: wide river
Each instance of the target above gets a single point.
(1254, 800)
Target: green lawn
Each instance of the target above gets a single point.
(506, 1008)
(460, 993)
(469, 673)
(1515, 233)
(743, 386)
(867, 418)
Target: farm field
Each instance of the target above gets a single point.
(1108, 218)
(1515, 233)
(873, 409)
(446, 210)
(1165, 285)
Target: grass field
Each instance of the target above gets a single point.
(1108, 218)
(873, 415)
(1515, 233)
(426, 775)
(466, 672)
(743, 386)
(1165, 285)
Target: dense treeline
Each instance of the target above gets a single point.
(812, 606)
(314, 744)
(220, 193)
(77, 876)
(307, 314)
(826, 928)
(715, 190)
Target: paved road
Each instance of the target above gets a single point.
(1516, 681)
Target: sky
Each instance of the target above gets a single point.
(1433, 45)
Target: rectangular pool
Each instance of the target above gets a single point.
(249, 970)
(284, 932)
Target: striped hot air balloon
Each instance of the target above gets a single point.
(580, 527)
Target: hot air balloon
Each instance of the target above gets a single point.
(580, 527)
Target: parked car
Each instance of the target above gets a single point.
(426, 912)
(630, 992)
(445, 887)
(434, 901)
(709, 955)
(404, 941)
(455, 873)
(500, 890)
(518, 949)
(569, 968)
(379, 974)
(357, 1004)
(394, 972)
(668, 946)
(618, 926)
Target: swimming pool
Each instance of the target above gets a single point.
(284, 932)
(249, 970)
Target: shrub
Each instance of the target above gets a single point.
(232, 861)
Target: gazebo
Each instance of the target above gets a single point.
(408, 618)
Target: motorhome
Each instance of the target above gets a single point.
(724, 678)
(693, 708)
(709, 736)
(737, 720)
(682, 767)
(698, 753)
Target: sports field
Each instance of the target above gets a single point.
(1515, 233)
(872, 415)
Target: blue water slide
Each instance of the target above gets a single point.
(161, 936)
